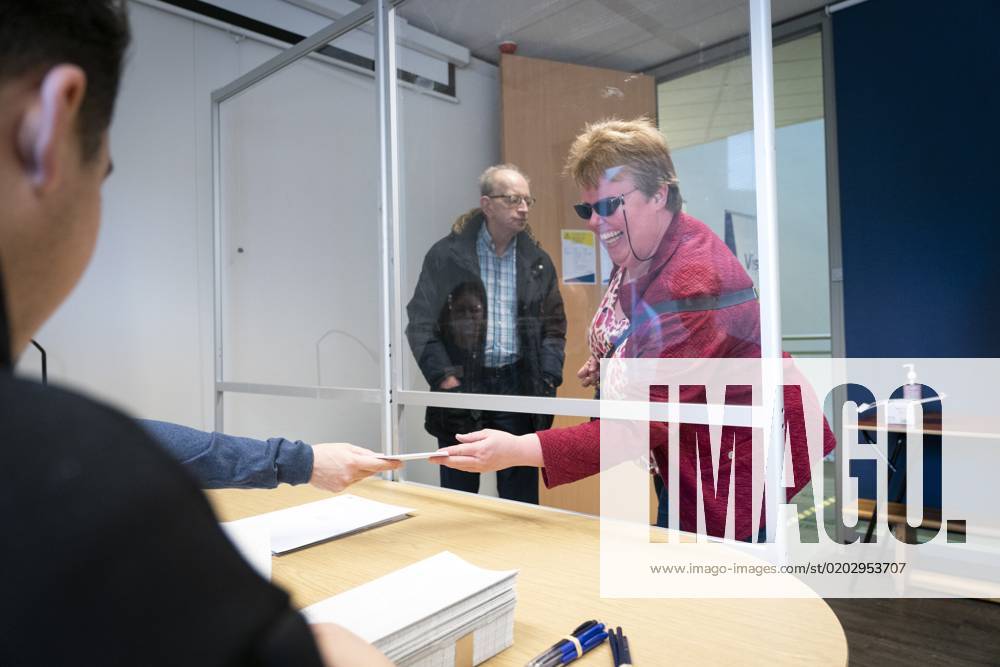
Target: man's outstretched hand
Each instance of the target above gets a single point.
(337, 465)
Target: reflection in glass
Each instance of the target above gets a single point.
(575, 64)
(707, 118)
(677, 292)
(487, 317)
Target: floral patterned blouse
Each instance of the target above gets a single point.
(605, 327)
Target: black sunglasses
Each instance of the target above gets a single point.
(605, 207)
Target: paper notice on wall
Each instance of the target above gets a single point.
(579, 258)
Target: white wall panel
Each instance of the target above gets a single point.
(300, 165)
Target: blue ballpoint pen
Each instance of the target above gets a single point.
(554, 653)
(624, 655)
(567, 652)
(584, 638)
(590, 632)
(569, 649)
(569, 655)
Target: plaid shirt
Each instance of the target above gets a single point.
(499, 276)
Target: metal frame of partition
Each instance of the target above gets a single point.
(773, 398)
(838, 344)
(385, 86)
(392, 396)
(767, 229)
(383, 11)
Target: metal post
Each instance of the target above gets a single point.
(341, 26)
(834, 243)
(761, 64)
(385, 84)
(219, 418)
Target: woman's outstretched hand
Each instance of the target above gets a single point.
(489, 449)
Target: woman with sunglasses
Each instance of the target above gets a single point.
(676, 292)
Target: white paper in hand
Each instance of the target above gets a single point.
(410, 457)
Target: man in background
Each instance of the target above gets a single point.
(486, 317)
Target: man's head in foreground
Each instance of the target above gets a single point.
(60, 66)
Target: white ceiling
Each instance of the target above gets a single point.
(718, 102)
(631, 35)
(628, 35)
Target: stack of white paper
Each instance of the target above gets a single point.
(253, 541)
(416, 614)
(307, 524)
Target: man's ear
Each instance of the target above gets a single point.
(47, 134)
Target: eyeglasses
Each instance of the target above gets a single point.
(515, 200)
(605, 207)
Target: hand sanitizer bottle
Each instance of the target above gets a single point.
(911, 390)
(912, 394)
(900, 412)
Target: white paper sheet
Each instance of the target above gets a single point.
(411, 457)
(307, 524)
(253, 541)
(409, 595)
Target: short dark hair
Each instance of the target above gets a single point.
(36, 35)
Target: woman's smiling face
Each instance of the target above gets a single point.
(637, 219)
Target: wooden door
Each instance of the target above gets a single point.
(545, 104)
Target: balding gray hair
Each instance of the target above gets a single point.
(488, 179)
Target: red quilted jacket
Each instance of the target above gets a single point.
(691, 261)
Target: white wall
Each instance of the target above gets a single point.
(300, 199)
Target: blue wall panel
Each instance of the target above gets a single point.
(918, 117)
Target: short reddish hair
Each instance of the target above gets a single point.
(636, 146)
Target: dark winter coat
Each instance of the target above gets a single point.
(448, 315)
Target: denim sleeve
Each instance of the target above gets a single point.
(221, 461)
